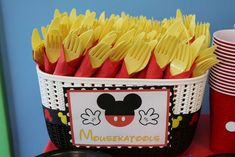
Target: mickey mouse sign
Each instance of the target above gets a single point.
(119, 113)
(119, 117)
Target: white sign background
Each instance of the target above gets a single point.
(80, 100)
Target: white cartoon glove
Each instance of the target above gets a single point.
(148, 117)
(90, 117)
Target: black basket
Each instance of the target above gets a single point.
(185, 97)
(182, 137)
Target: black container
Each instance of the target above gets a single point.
(183, 111)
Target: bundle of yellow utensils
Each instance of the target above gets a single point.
(123, 46)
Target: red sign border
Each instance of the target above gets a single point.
(123, 145)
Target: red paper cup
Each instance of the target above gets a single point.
(225, 68)
(221, 88)
(221, 78)
(219, 44)
(226, 60)
(226, 36)
(225, 50)
(228, 79)
(222, 83)
(222, 121)
(223, 73)
(227, 64)
(224, 55)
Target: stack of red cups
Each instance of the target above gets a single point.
(222, 93)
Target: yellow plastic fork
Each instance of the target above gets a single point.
(145, 56)
(77, 23)
(71, 47)
(75, 46)
(102, 18)
(177, 29)
(197, 46)
(204, 65)
(179, 14)
(190, 24)
(37, 45)
(119, 51)
(57, 13)
(189, 50)
(151, 35)
(180, 63)
(122, 45)
(205, 54)
(36, 39)
(99, 54)
(110, 38)
(89, 19)
(44, 30)
(203, 29)
(128, 36)
(64, 26)
(107, 28)
(73, 16)
(166, 23)
(135, 48)
(55, 24)
(165, 50)
(53, 45)
(79, 30)
(117, 26)
(137, 57)
(97, 32)
(86, 40)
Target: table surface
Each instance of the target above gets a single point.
(198, 148)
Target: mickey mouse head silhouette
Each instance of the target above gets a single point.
(119, 113)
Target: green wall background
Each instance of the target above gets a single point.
(4, 131)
